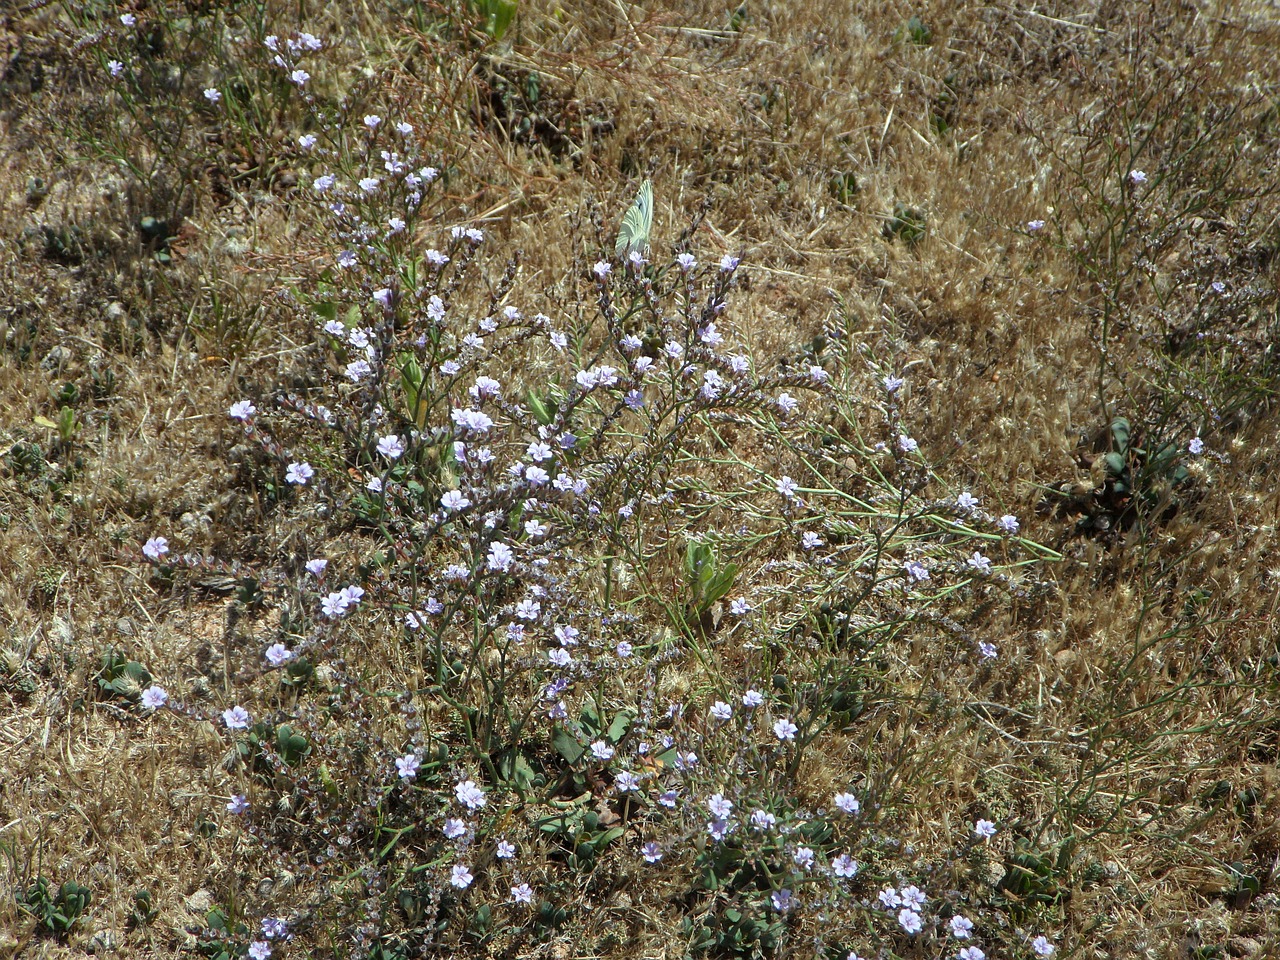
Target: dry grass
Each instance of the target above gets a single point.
(1135, 707)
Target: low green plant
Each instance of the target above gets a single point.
(120, 677)
(906, 224)
(56, 913)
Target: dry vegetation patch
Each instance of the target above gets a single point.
(1057, 224)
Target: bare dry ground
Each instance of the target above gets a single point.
(872, 171)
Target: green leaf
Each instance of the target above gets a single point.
(567, 745)
(540, 410)
(619, 727)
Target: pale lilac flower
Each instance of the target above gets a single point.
(500, 557)
(323, 184)
(668, 798)
(623, 649)
(673, 349)
(970, 953)
(242, 410)
(155, 548)
(236, 718)
(259, 950)
(803, 858)
(428, 173)
(357, 370)
(787, 403)
(961, 927)
(907, 444)
(980, 563)
(889, 898)
(784, 729)
(719, 829)
(454, 501)
(536, 476)
(371, 120)
(739, 607)
(752, 699)
(913, 897)
(984, 829)
(274, 928)
(988, 650)
(436, 258)
(719, 806)
(407, 766)
(686, 262)
(528, 609)
(115, 68)
(396, 224)
(1195, 447)
(307, 141)
(786, 487)
(910, 921)
(602, 751)
(391, 447)
(625, 782)
(560, 657)
(1008, 523)
(506, 850)
(781, 899)
(729, 263)
(454, 828)
(1043, 947)
(470, 795)
(237, 804)
(535, 528)
(763, 820)
(846, 803)
(474, 420)
(651, 852)
(299, 473)
(347, 259)
(128, 19)
(334, 605)
(317, 566)
(844, 866)
(1137, 176)
(721, 710)
(212, 94)
(300, 77)
(966, 502)
(154, 697)
(278, 654)
(1218, 286)
(892, 383)
(810, 540)
(1034, 226)
(711, 337)
(558, 340)
(522, 893)
(368, 184)
(636, 259)
(461, 877)
(916, 571)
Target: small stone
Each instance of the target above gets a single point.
(104, 941)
